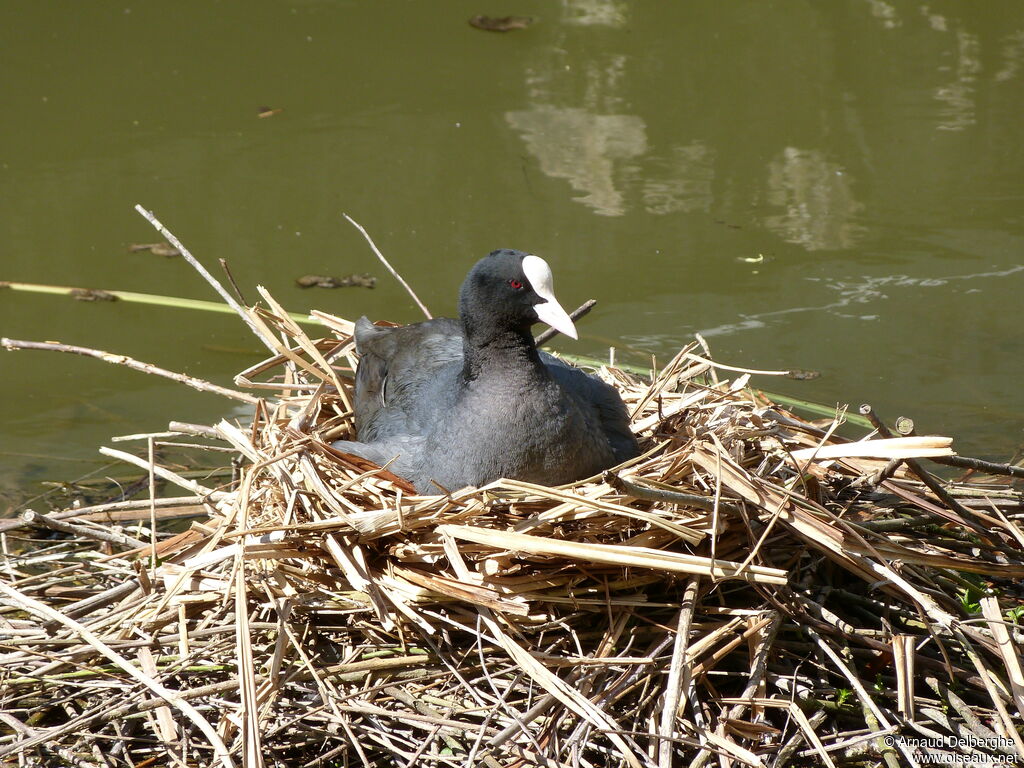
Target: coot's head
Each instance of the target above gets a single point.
(510, 289)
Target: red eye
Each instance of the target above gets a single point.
(516, 284)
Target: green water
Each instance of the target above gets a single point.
(832, 186)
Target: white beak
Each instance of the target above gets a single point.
(549, 311)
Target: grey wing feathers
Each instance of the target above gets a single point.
(398, 454)
(590, 392)
(399, 372)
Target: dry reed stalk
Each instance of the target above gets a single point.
(116, 359)
(748, 588)
(387, 265)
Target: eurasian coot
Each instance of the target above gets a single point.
(464, 402)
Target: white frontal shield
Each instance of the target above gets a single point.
(549, 311)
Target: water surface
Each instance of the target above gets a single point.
(830, 186)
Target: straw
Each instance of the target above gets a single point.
(751, 590)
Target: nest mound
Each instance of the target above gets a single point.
(753, 589)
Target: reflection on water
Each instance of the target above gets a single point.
(590, 150)
(816, 200)
(935, 20)
(578, 130)
(681, 183)
(605, 13)
(886, 12)
(958, 96)
(582, 147)
(586, 137)
(1013, 52)
(583, 126)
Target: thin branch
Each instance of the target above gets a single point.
(31, 517)
(136, 365)
(390, 269)
(231, 279)
(575, 315)
(187, 255)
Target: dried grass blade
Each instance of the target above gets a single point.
(339, 325)
(294, 330)
(572, 501)
(166, 474)
(721, 366)
(731, 748)
(810, 734)
(679, 405)
(171, 697)
(166, 730)
(541, 675)
(887, 448)
(252, 755)
(613, 554)
(387, 265)
(678, 674)
(470, 593)
(1007, 649)
(733, 477)
(903, 661)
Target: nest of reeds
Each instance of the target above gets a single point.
(753, 590)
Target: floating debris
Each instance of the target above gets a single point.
(500, 24)
(91, 294)
(269, 112)
(157, 249)
(363, 280)
(802, 375)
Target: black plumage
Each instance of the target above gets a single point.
(464, 402)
